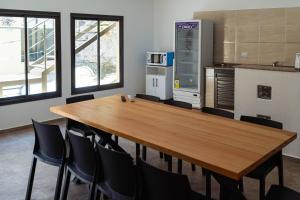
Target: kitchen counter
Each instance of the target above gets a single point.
(257, 67)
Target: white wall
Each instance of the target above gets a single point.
(284, 106)
(138, 38)
(167, 11)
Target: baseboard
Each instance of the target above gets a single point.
(290, 157)
(9, 130)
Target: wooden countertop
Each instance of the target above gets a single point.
(228, 147)
(257, 67)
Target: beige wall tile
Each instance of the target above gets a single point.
(247, 33)
(230, 18)
(229, 33)
(271, 52)
(247, 17)
(246, 53)
(219, 53)
(293, 33)
(229, 53)
(292, 16)
(274, 16)
(219, 34)
(215, 16)
(272, 33)
(258, 36)
(290, 54)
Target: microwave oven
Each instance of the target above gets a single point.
(160, 58)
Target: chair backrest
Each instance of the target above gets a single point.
(80, 98)
(161, 185)
(219, 112)
(179, 104)
(148, 97)
(74, 125)
(261, 121)
(48, 141)
(118, 171)
(82, 154)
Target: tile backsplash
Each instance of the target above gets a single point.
(257, 36)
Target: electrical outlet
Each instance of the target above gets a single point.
(244, 54)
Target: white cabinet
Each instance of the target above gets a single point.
(159, 81)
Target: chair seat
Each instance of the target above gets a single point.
(80, 175)
(196, 196)
(85, 133)
(111, 193)
(277, 192)
(264, 169)
(48, 160)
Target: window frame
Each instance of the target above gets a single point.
(40, 96)
(98, 87)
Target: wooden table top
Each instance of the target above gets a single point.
(225, 146)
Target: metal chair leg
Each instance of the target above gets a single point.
(92, 191)
(169, 158)
(262, 186)
(137, 151)
(161, 155)
(241, 185)
(144, 153)
(31, 178)
(59, 182)
(179, 166)
(193, 167)
(117, 139)
(66, 185)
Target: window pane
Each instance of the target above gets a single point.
(109, 52)
(86, 67)
(12, 63)
(41, 55)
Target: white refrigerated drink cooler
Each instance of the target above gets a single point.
(193, 51)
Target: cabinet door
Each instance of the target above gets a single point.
(150, 85)
(160, 84)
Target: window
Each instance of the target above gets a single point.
(97, 52)
(30, 66)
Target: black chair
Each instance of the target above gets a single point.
(105, 138)
(277, 192)
(49, 147)
(218, 112)
(149, 98)
(228, 188)
(185, 105)
(229, 191)
(265, 168)
(82, 163)
(77, 126)
(178, 104)
(157, 184)
(118, 180)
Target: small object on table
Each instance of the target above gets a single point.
(123, 98)
(131, 98)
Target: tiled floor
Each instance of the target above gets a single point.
(16, 154)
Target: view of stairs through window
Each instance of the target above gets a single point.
(39, 54)
(94, 51)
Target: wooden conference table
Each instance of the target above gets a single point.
(228, 147)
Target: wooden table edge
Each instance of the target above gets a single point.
(230, 174)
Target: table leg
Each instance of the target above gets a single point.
(208, 184)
